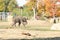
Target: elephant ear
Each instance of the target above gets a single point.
(25, 17)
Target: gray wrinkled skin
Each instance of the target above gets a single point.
(19, 20)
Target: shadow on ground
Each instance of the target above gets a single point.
(55, 38)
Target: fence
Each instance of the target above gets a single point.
(3, 16)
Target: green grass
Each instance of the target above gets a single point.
(35, 28)
(3, 20)
(27, 27)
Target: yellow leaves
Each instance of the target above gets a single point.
(9, 8)
(47, 13)
(2, 6)
(39, 11)
(11, 5)
(1, 0)
(31, 3)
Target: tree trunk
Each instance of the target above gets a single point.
(6, 9)
(54, 20)
(34, 11)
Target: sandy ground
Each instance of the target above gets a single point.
(17, 33)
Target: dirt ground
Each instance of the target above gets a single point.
(17, 33)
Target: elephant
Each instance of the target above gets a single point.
(19, 20)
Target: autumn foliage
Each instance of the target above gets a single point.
(48, 6)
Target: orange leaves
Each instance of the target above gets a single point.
(58, 13)
(48, 5)
(59, 0)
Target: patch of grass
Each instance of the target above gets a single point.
(39, 28)
(36, 28)
(3, 20)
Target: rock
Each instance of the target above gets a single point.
(55, 26)
(28, 34)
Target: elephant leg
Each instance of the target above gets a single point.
(14, 24)
(19, 23)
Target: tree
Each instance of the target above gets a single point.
(33, 5)
(6, 6)
(1, 5)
